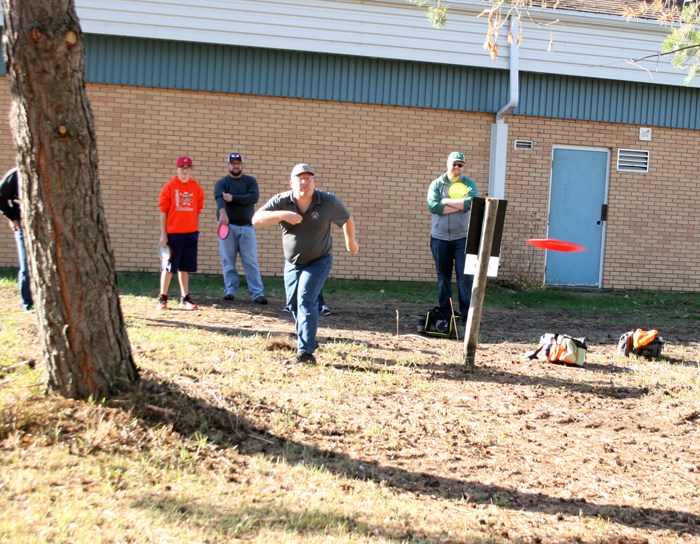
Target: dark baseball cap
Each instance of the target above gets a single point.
(235, 157)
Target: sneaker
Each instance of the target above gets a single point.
(260, 299)
(187, 304)
(162, 302)
(301, 358)
(229, 297)
(324, 310)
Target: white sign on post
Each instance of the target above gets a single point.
(476, 220)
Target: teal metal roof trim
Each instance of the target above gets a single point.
(609, 101)
(247, 70)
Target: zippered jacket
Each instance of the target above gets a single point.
(452, 226)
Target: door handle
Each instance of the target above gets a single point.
(603, 214)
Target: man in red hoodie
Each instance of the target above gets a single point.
(181, 202)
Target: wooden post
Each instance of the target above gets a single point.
(476, 305)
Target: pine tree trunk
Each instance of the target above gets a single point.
(83, 334)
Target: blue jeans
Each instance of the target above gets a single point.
(23, 275)
(446, 255)
(241, 240)
(303, 284)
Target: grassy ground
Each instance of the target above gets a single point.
(387, 440)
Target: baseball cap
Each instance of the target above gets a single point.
(235, 157)
(301, 168)
(456, 156)
(184, 161)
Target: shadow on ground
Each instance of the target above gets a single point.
(158, 403)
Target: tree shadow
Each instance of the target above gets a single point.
(225, 330)
(487, 375)
(609, 391)
(304, 522)
(447, 371)
(159, 403)
(673, 361)
(375, 365)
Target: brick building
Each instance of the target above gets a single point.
(375, 99)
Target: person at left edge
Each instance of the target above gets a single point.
(305, 215)
(235, 195)
(181, 202)
(9, 205)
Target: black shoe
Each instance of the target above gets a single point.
(230, 297)
(301, 358)
(260, 300)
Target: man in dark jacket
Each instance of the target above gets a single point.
(236, 195)
(9, 206)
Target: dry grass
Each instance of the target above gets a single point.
(388, 439)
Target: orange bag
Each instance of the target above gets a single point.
(642, 338)
(561, 348)
(648, 344)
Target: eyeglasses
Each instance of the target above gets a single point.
(458, 164)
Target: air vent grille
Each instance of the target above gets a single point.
(523, 144)
(632, 160)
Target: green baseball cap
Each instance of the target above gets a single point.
(456, 156)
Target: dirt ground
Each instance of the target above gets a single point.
(519, 450)
(604, 453)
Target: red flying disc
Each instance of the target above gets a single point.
(223, 231)
(555, 245)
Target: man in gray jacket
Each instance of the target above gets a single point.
(450, 200)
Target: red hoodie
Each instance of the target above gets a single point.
(182, 202)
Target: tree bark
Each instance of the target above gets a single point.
(84, 340)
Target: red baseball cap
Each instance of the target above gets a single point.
(184, 161)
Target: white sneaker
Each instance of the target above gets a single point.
(187, 304)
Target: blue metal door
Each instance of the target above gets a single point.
(576, 214)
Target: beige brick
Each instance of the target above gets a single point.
(380, 160)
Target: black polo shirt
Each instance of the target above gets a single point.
(310, 239)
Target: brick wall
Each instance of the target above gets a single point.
(653, 231)
(379, 160)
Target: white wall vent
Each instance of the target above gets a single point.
(632, 160)
(523, 144)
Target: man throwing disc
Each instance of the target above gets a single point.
(305, 215)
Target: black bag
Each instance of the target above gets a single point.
(440, 324)
(650, 350)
